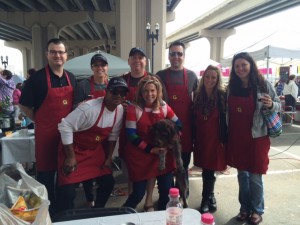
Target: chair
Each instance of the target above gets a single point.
(287, 115)
(84, 213)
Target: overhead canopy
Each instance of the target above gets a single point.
(272, 54)
(81, 65)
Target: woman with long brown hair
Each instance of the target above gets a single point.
(210, 133)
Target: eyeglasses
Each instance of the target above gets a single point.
(173, 54)
(118, 92)
(99, 65)
(53, 52)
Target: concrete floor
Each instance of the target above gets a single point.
(282, 191)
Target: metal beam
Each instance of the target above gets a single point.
(46, 4)
(63, 4)
(29, 4)
(96, 5)
(78, 32)
(78, 4)
(10, 4)
(86, 30)
(106, 31)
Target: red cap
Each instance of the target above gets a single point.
(174, 192)
(207, 218)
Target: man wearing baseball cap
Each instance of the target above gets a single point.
(95, 85)
(87, 89)
(81, 155)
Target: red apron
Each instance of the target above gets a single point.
(90, 155)
(181, 102)
(209, 151)
(96, 93)
(142, 165)
(130, 97)
(245, 152)
(57, 105)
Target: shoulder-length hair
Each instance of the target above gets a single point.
(202, 101)
(139, 100)
(291, 77)
(256, 80)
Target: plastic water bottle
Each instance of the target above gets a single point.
(207, 219)
(23, 123)
(174, 208)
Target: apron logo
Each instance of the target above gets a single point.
(98, 138)
(65, 102)
(205, 117)
(239, 109)
(174, 97)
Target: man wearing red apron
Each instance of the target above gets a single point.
(46, 98)
(81, 155)
(92, 88)
(180, 83)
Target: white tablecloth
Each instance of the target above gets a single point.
(17, 148)
(190, 217)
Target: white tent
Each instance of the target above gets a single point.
(81, 66)
(271, 54)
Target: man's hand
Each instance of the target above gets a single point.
(70, 165)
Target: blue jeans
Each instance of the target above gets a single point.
(251, 192)
(164, 183)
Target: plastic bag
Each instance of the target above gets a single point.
(15, 175)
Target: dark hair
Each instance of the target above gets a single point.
(256, 80)
(19, 86)
(31, 71)
(177, 43)
(8, 74)
(56, 41)
(291, 77)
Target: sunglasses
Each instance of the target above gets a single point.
(173, 54)
(99, 65)
(118, 92)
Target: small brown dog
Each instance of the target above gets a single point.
(164, 134)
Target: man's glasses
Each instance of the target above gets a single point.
(122, 93)
(173, 54)
(53, 52)
(99, 65)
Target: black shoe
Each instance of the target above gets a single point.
(212, 203)
(204, 207)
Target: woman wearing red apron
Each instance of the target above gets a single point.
(141, 157)
(92, 88)
(83, 157)
(248, 140)
(95, 86)
(210, 133)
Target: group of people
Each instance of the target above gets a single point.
(78, 125)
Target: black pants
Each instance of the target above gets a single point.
(290, 101)
(67, 193)
(48, 179)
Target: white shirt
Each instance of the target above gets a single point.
(85, 116)
(291, 89)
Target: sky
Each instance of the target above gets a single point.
(281, 29)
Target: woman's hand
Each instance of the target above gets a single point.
(107, 163)
(70, 165)
(267, 101)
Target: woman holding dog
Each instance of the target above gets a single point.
(141, 156)
(210, 133)
(248, 140)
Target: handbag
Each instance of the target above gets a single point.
(274, 123)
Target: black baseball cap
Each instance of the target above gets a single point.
(98, 57)
(116, 82)
(137, 50)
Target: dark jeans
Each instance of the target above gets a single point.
(208, 174)
(164, 183)
(67, 193)
(88, 189)
(48, 179)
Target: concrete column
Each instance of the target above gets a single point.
(52, 31)
(216, 39)
(156, 13)
(126, 27)
(37, 46)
